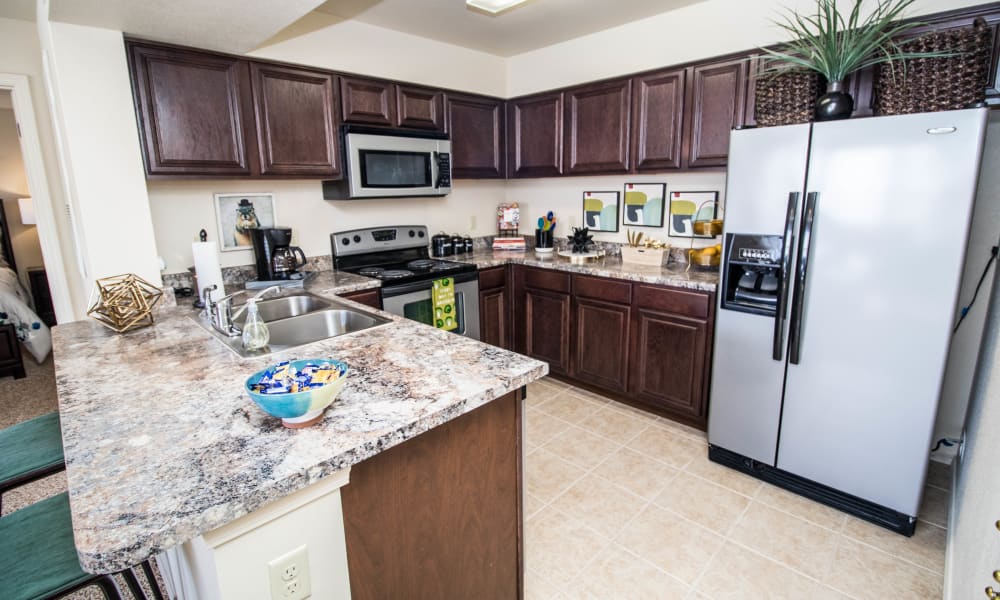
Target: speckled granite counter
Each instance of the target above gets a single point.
(162, 444)
(610, 266)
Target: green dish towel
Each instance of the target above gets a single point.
(443, 301)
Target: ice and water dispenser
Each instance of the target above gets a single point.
(752, 273)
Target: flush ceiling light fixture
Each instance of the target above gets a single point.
(493, 6)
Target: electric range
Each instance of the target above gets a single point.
(399, 257)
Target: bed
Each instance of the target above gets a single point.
(19, 324)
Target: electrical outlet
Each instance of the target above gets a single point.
(472, 223)
(289, 575)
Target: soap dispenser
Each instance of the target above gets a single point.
(255, 333)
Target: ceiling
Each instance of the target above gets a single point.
(240, 26)
(236, 26)
(534, 24)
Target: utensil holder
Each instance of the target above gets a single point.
(543, 238)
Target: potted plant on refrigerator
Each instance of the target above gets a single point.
(835, 47)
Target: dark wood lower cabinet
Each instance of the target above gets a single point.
(669, 366)
(11, 362)
(494, 307)
(439, 516)
(643, 344)
(370, 297)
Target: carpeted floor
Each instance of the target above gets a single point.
(23, 399)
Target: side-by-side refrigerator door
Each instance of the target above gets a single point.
(764, 186)
(889, 201)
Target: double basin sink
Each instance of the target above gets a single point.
(297, 319)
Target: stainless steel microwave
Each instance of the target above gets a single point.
(385, 163)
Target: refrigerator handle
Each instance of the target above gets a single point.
(805, 235)
(786, 274)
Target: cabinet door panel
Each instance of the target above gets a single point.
(717, 105)
(367, 101)
(658, 117)
(421, 108)
(547, 334)
(193, 110)
(597, 128)
(493, 317)
(535, 136)
(601, 342)
(476, 126)
(669, 362)
(296, 133)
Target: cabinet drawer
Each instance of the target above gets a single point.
(599, 288)
(493, 277)
(681, 302)
(544, 279)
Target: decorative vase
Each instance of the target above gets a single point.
(835, 103)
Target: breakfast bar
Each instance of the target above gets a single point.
(164, 449)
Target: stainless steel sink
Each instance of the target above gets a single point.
(275, 309)
(299, 319)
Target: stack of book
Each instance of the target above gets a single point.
(509, 243)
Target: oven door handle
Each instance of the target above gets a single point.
(390, 290)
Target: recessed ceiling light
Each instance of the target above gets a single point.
(493, 6)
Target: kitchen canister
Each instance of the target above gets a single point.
(441, 245)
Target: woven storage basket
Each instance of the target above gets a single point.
(932, 84)
(786, 98)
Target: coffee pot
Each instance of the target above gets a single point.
(274, 257)
(286, 260)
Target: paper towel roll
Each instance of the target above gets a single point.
(207, 268)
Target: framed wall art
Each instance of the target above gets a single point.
(687, 207)
(644, 204)
(600, 211)
(237, 213)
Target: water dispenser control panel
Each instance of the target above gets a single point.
(752, 273)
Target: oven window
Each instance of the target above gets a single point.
(392, 169)
(423, 311)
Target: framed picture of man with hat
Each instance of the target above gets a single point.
(236, 214)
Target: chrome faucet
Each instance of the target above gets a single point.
(221, 311)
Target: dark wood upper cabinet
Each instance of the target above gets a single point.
(421, 108)
(597, 128)
(296, 128)
(476, 127)
(716, 106)
(194, 111)
(657, 120)
(367, 101)
(535, 136)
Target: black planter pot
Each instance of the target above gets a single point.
(834, 104)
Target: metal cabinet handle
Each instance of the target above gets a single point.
(805, 237)
(786, 275)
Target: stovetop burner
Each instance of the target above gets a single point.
(445, 266)
(394, 274)
(396, 253)
(370, 271)
(423, 263)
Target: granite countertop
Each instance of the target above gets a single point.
(674, 274)
(162, 444)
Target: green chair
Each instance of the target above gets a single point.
(30, 450)
(38, 559)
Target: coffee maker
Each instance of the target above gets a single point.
(274, 258)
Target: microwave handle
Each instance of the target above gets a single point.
(442, 164)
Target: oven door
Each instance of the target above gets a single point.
(413, 301)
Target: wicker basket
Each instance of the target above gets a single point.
(932, 84)
(786, 98)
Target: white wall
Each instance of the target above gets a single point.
(690, 33)
(327, 42)
(20, 53)
(564, 197)
(101, 154)
(973, 541)
(180, 209)
(14, 185)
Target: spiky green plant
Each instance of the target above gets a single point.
(835, 47)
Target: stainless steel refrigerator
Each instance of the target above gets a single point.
(843, 250)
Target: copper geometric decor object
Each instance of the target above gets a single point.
(125, 302)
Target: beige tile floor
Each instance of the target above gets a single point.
(623, 504)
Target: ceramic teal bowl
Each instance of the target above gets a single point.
(299, 409)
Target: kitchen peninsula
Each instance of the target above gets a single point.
(165, 450)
